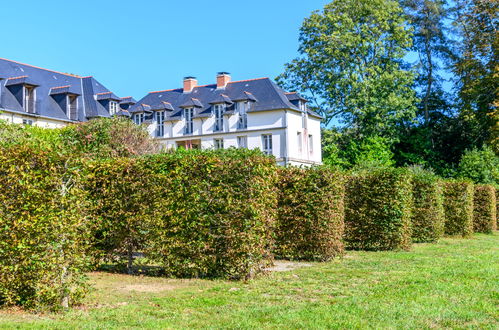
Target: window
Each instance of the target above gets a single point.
(300, 141)
(310, 144)
(29, 99)
(189, 125)
(218, 143)
(160, 121)
(27, 122)
(242, 108)
(267, 144)
(242, 142)
(218, 109)
(138, 118)
(72, 107)
(113, 107)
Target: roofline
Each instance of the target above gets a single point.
(37, 67)
(231, 82)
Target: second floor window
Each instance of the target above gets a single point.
(218, 109)
(138, 118)
(160, 121)
(29, 99)
(267, 144)
(310, 143)
(189, 125)
(72, 107)
(113, 107)
(242, 108)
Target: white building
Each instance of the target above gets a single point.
(244, 114)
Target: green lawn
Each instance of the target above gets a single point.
(452, 284)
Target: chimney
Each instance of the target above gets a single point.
(189, 84)
(223, 79)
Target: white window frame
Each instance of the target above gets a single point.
(267, 144)
(218, 143)
(218, 111)
(160, 123)
(28, 122)
(138, 118)
(72, 113)
(242, 141)
(29, 99)
(299, 138)
(242, 108)
(113, 107)
(189, 123)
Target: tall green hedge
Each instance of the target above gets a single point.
(43, 231)
(458, 206)
(428, 208)
(310, 214)
(484, 209)
(125, 198)
(217, 214)
(378, 210)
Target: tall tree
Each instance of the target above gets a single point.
(478, 68)
(350, 65)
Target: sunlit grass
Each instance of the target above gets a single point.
(453, 284)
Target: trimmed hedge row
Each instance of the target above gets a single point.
(428, 208)
(310, 220)
(197, 214)
(458, 206)
(484, 210)
(43, 235)
(378, 210)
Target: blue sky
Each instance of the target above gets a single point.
(134, 47)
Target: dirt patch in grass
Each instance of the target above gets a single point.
(148, 287)
(286, 265)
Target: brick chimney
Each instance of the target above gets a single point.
(223, 78)
(189, 84)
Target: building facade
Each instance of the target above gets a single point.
(35, 96)
(250, 114)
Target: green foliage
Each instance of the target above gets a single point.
(43, 230)
(481, 166)
(350, 55)
(458, 207)
(218, 211)
(310, 214)
(484, 209)
(36, 137)
(428, 209)
(125, 198)
(107, 137)
(378, 210)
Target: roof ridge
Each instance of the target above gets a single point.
(238, 81)
(213, 84)
(18, 77)
(60, 87)
(37, 67)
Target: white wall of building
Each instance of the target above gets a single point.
(36, 121)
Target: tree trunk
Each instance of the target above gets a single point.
(129, 265)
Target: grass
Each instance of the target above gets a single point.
(452, 284)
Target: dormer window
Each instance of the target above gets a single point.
(138, 118)
(218, 110)
(113, 107)
(242, 108)
(72, 107)
(189, 125)
(29, 99)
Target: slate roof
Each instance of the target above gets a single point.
(265, 94)
(50, 84)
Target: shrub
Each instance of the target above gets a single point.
(428, 210)
(43, 231)
(217, 213)
(484, 209)
(378, 210)
(107, 137)
(310, 214)
(480, 165)
(458, 206)
(125, 199)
